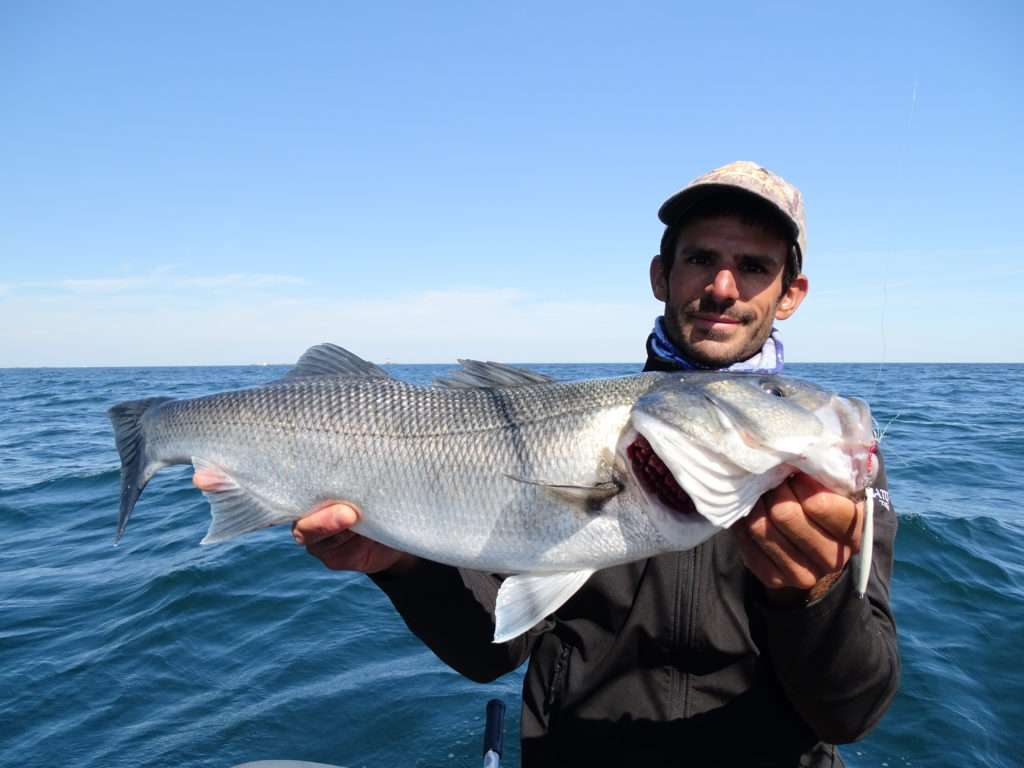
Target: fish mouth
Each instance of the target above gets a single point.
(852, 417)
(655, 479)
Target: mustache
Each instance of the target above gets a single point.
(726, 309)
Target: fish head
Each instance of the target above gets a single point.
(710, 444)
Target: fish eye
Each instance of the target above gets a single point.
(772, 389)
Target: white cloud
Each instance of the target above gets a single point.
(238, 280)
(431, 326)
(98, 285)
(249, 324)
(158, 281)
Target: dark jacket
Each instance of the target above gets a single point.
(677, 660)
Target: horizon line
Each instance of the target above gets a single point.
(515, 363)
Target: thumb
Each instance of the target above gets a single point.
(324, 522)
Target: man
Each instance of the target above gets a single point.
(751, 649)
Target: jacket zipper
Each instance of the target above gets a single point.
(681, 561)
(557, 678)
(693, 597)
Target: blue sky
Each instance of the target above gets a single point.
(233, 182)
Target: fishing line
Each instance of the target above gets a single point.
(880, 435)
(900, 174)
(863, 568)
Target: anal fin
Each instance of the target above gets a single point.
(525, 599)
(235, 510)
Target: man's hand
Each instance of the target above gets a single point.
(799, 536)
(326, 535)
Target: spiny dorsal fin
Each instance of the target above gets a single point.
(332, 360)
(475, 374)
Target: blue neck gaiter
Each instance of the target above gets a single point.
(768, 360)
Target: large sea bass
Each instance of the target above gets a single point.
(500, 469)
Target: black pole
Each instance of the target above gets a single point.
(494, 732)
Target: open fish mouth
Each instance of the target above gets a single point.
(655, 478)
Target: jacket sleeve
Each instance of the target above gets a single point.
(452, 612)
(837, 657)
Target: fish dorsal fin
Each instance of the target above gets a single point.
(525, 599)
(332, 360)
(474, 374)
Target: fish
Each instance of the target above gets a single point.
(499, 468)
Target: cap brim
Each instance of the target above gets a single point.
(675, 208)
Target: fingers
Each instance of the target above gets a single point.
(326, 533)
(345, 551)
(756, 559)
(209, 479)
(775, 559)
(838, 516)
(798, 534)
(324, 523)
(795, 518)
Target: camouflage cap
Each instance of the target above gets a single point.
(751, 178)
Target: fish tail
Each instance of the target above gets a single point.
(136, 466)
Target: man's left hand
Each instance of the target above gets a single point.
(799, 536)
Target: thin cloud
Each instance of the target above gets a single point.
(239, 280)
(98, 284)
(428, 326)
(161, 280)
(229, 327)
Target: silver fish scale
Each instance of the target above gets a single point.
(390, 408)
(528, 479)
(450, 474)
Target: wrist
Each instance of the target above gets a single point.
(823, 587)
(402, 566)
(792, 597)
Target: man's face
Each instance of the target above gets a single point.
(724, 290)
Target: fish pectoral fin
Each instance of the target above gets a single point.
(525, 599)
(590, 495)
(332, 360)
(235, 509)
(474, 374)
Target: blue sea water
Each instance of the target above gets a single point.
(163, 653)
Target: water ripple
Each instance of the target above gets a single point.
(161, 652)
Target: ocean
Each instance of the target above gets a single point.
(161, 652)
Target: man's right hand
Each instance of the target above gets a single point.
(326, 534)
